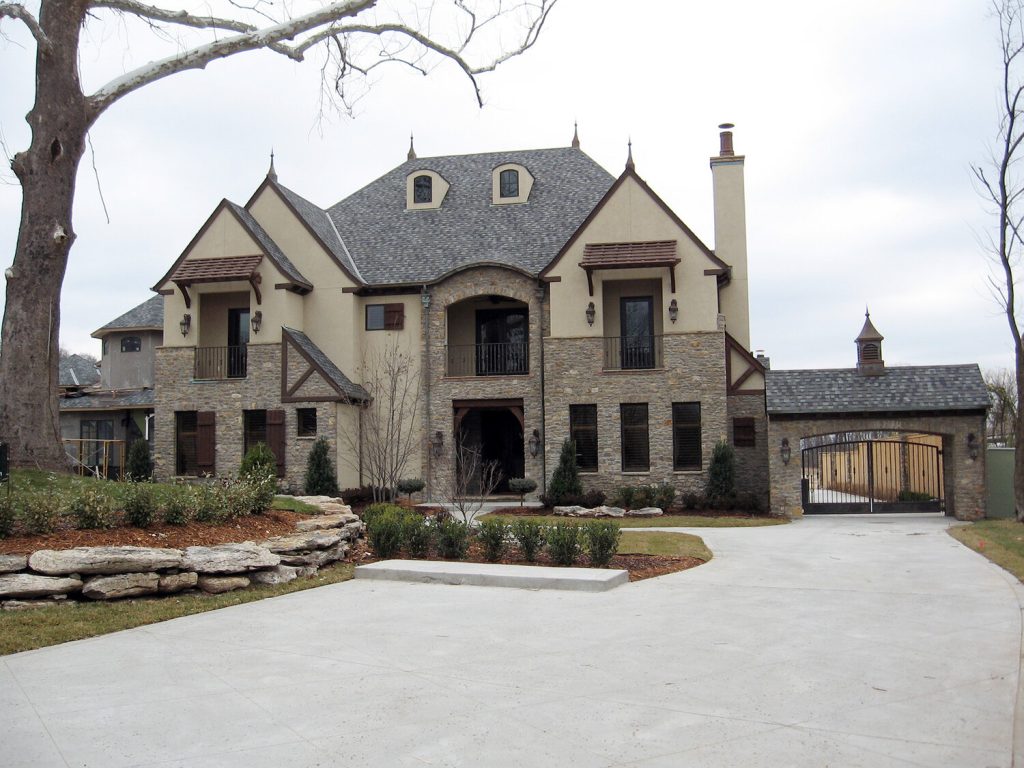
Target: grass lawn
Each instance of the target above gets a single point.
(40, 627)
(665, 544)
(289, 504)
(665, 521)
(1001, 541)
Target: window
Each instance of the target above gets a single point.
(743, 435)
(305, 419)
(131, 344)
(103, 347)
(254, 424)
(685, 436)
(509, 183)
(385, 317)
(583, 432)
(422, 189)
(195, 442)
(636, 455)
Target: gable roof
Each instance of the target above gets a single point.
(77, 371)
(391, 245)
(147, 316)
(899, 389)
(342, 383)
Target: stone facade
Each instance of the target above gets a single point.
(260, 389)
(751, 461)
(964, 478)
(694, 372)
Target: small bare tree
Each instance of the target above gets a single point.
(1002, 412)
(468, 481)
(389, 433)
(1001, 187)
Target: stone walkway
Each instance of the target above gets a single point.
(829, 642)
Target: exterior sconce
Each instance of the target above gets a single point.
(673, 311)
(437, 444)
(535, 443)
(256, 321)
(785, 451)
(972, 446)
(590, 313)
(185, 324)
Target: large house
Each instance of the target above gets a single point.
(533, 295)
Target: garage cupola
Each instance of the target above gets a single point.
(869, 349)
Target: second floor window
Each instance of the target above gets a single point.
(508, 185)
(423, 189)
(131, 344)
(385, 317)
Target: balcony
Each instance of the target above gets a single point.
(631, 353)
(510, 358)
(220, 363)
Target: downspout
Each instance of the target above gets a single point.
(425, 301)
(543, 400)
(360, 426)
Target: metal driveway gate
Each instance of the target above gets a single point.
(867, 476)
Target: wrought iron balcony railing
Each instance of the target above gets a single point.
(217, 363)
(504, 359)
(624, 353)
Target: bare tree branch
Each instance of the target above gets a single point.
(20, 12)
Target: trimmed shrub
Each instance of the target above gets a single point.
(385, 533)
(624, 496)
(261, 491)
(239, 499)
(40, 512)
(452, 539)
(566, 478)
(589, 499)
(139, 504)
(522, 486)
(565, 543)
(321, 477)
(721, 474)
(6, 515)
(209, 503)
(602, 538)
(529, 535)
(176, 510)
(693, 501)
(258, 459)
(361, 495)
(749, 502)
(664, 495)
(373, 511)
(138, 466)
(493, 534)
(417, 534)
(90, 508)
(409, 486)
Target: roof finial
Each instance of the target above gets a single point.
(630, 166)
(412, 152)
(575, 135)
(271, 173)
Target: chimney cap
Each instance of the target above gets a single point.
(726, 126)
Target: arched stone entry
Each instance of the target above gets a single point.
(494, 430)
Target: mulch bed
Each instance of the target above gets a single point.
(639, 566)
(248, 528)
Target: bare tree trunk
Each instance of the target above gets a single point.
(60, 119)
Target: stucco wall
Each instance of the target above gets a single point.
(128, 370)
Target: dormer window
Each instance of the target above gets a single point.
(509, 185)
(423, 190)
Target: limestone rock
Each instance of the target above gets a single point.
(28, 605)
(573, 511)
(12, 563)
(326, 522)
(302, 542)
(22, 585)
(307, 572)
(645, 512)
(282, 574)
(176, 582)
(355, 530)
(317, 501)
(317, 558)
(214, 585)
(121, 585)
(604, 511)
(90, 560)
(228, 558)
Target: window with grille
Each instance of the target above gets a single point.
(508, 183)
(636, 455)
(422, 189)
(306, 420)
(743, 432)
(255, 429)
(686, 436)
(583, 432)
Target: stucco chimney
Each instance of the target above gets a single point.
(731, 235)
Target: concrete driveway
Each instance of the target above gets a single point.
(829, 642)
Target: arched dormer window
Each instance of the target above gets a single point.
(423, 189)
(509, 185)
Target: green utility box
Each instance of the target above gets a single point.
(999, 482)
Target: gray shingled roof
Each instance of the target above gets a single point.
(268, 245)
(390, 244)
(77, 371)
(321, 223)
(339, 379)
(142, 398)
(900, 388)
(149, 314)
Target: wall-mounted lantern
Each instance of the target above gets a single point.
(673, 310)
(425, 300)
(535, 443)
(256, 321)
(437, 444)
(185, 324)
(591, 311)
(973, 446)
(784, 451)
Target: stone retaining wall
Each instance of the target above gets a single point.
(49, 576)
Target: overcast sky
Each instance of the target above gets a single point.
(859, 121)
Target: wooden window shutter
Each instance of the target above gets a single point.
(275, 438)
(394, 317)
(206, 442)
